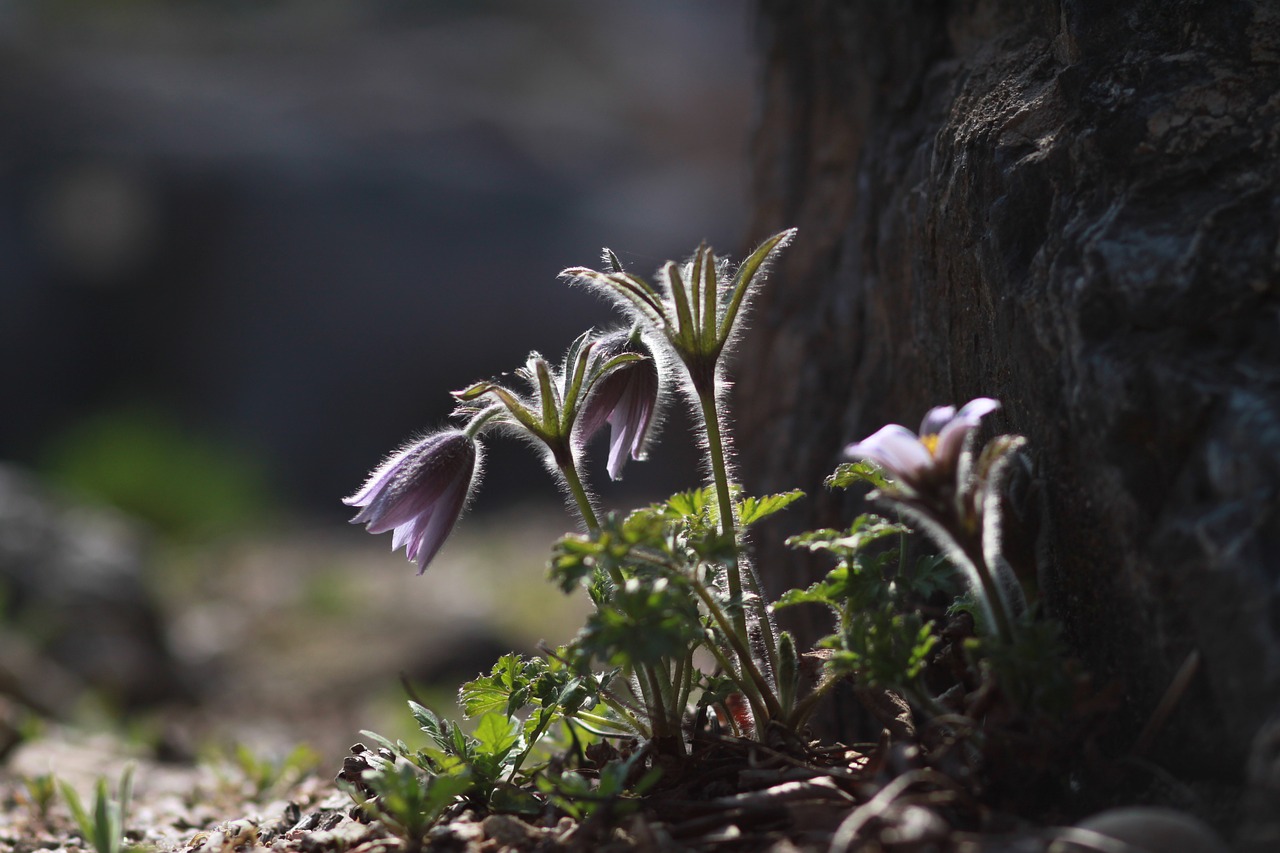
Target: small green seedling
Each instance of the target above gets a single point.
(41, 794)
(104, 827)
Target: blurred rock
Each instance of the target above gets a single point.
(1149, 830)
(1260, 831)
(76, 613)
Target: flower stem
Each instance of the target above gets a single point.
(739, 569)
(753, 699)
(724, 501)
(579, 492)
(481, 418)
(618, 708)
(753, 684)
(658, 711)
(990, 591)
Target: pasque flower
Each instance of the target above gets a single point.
(626, 399)
(933, 455)
(419, 492)
(958, 508)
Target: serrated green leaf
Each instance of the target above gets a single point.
(931, 575)
(828, 591)
(865, 530)
(751, 510)
(694, 503)
(426, 718)
(861, 472)
(496, 735)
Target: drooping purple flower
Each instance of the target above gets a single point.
(626, 399)
(419, 492)
(932, 454)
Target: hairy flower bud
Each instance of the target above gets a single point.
(419, 492)
(626, 399)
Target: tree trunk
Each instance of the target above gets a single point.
(1071, 206)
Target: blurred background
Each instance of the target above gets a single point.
(246, 249)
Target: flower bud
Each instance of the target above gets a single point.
(419, 493)
(626, 399)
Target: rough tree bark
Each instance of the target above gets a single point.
(1070, 205)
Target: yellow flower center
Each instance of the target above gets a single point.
(930, 443)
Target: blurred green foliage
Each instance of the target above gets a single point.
(141, 460)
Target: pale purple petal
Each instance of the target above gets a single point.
(621, 436)
(403, 533)
(936, 419)
(625, 399)
(896, 448)
(412, 483)
(951, 436)
(600, 406)
(380, 477)
(630, 422)
(438, 524)
(419, 492)
(978, 408)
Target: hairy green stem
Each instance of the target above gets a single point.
(684, 680)
(724, 502)
(753, 699)
(751, 681)
(621, 710)
(990, 591)
(658, 711)
(579, 492)
(729, 526)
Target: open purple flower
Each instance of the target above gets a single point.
(626, 399)
(932, 455)
(419, 493)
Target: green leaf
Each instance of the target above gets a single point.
(864, 530)
(409, 802)
(505, 688)
(106, 820)
(429, 722)
(687, 338)
(931, 575)
(830, 591)
(630, 290)
(751, 510)
(694, 503)
(76, 806)
(643, 624)
(884, 648)
(744, 279)
(496, 735)
(383, 742)
(853, 473)
(574, 559)
(471, 392)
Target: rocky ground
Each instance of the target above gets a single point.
(235, 675)
(275, 651)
